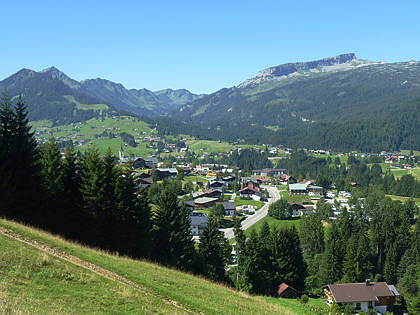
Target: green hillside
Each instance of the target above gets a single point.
(48, 278)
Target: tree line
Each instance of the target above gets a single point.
(363, 172)
(373, 240)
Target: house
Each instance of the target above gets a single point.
(315, 190)
(198, 222)
(229, 208)
(214, 193)
(151, 162)
(211, 193)
(363, 296)
(250, 183)
(285, 291)
(144, 182)
(250, 193)
(270, 172)
(205, 202)
(167, 173)
(298, 189)
(296, 208)
(214, 184)
(285, 179)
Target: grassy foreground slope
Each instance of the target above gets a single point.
(36, 283)
(33, 281)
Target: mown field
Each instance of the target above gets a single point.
(273, 222)
(33, 282)
(91, 133)
(403, 199)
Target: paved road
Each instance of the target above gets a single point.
(259, 214)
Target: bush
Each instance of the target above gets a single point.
(303, 299)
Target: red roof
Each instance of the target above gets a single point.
(283, 287)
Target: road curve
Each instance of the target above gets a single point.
(259, 214)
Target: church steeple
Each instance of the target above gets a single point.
(121, 153)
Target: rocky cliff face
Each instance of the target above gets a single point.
(288, 69)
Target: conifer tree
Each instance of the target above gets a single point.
(19, 163)
(215, 250)
(72, 199)
(172, 243)
(133, 217)
(53, 186)
(331, 267)
(312, 235)
(391, 265)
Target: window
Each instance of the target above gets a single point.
(357, 306)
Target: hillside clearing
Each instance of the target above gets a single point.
(191, 292)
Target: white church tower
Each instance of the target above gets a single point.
(121, 153)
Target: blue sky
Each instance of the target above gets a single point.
(199, 45)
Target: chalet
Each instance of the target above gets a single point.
(285, 291)
(250, 183)
(229, 208)
(228, 179)
(250, 193)
(270, 172)
(296, 208)
(205, 202)
(216, 184)
(298, 189)
(213, 193)
(285, 179)
(144, 182)
(167, 173)
(305, 188)
(198, 222)
(263, 180)
(363, 296)
(151, 162)
(315, 190)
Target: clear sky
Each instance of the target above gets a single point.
(199, 45)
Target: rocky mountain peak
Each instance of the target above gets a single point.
(337, 63)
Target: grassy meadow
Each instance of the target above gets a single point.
(33, 282)
(273, 222)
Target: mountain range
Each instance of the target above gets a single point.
(51, 94)
(341, 103)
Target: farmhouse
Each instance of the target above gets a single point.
(167, 173)
(229, 208)
(205, 202)
(250, 193)
(270, 172)
(363, 296)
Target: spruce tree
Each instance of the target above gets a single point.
(133, 222)
(19, 163)
(53, 186)
(215, 250)
(173, 244)
(332, 263)
(312, 235)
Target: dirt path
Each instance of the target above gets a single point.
(91, 267)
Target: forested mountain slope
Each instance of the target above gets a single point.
(52, 95)
(353, 90)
